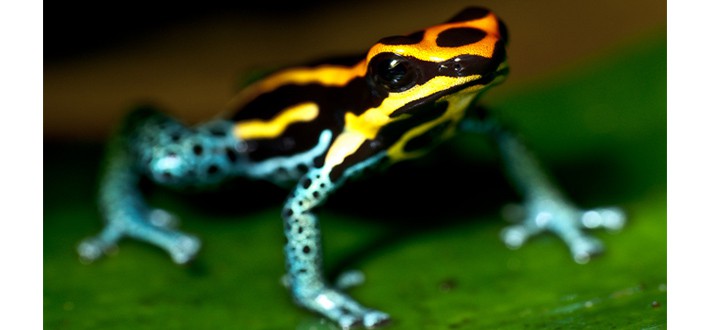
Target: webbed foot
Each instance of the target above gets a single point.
(341, 309)
(156, 227)
(565, 221)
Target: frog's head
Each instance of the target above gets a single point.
(460, 57)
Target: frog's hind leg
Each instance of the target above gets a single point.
(153, 146)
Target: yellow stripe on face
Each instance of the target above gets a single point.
(454, 112)
(372, 120)
(257, 128)
(359, 128)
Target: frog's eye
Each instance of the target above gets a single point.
(392, 72)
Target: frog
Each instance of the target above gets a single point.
(313, 127)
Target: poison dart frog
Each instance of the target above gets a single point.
(313, 127)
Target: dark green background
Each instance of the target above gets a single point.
(425, 233)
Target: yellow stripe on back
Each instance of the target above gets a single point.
(257, 128)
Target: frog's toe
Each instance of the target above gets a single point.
(91, 249)
(514, 236)
(370, 319)
(347, 322)
(584, 248)
(183, 249)
(610, 218)
(373, 319)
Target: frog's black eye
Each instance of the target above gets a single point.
(392, 72)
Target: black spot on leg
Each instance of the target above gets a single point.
(213, 169)
(316, 194)
(307, 183)
(175, 137)
(288, 213)
(197, 149)
(319, 161)
(306, 249)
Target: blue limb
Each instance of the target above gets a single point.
(304, 258)
(153, 146)
(126, 214)
(544, 208)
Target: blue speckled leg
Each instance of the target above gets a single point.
(159, 148)
(127, 215)
(304, 258)
(545, 208)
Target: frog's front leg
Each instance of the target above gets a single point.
(545, 208)
(304, 257)
(153, 146)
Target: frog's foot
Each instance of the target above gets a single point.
(341, 309)
(567, 222)
(350, 314)
(155, 228)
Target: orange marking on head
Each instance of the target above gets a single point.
(428, 50)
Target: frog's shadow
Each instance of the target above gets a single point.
(409, 198)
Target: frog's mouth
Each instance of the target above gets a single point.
(502, 71)
(485, 81)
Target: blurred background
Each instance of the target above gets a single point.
(102, 58)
